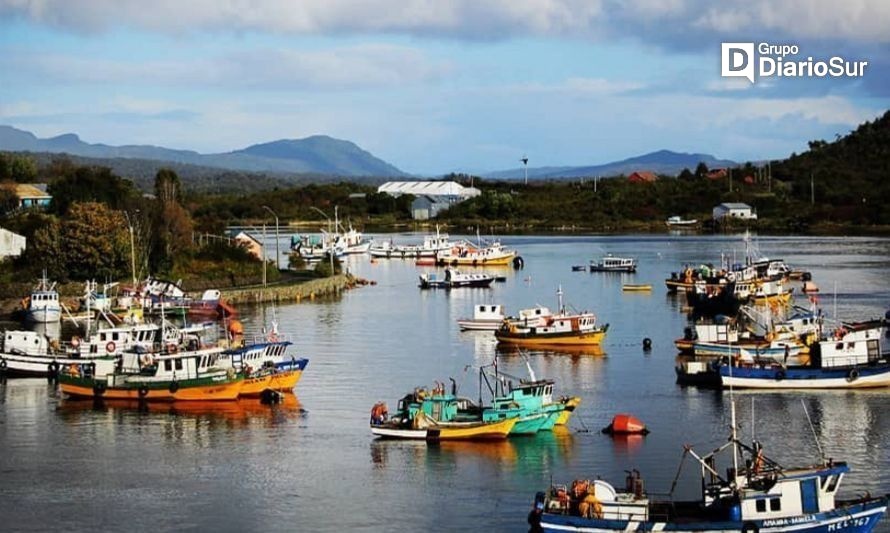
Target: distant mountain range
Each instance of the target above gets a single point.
(316, 154)
(660, 162)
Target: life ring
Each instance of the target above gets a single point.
(143, 391)
(174, 386)
(780, 375)
(75, 341)
(853, 375)
(110, 347)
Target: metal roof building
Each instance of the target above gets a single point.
(429, 188)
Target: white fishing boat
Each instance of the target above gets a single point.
(485, 318)
(678, 221)
(611, 263)
(43, 305)
(431, 246)
(454, 279)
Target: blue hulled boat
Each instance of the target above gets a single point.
(755, 495)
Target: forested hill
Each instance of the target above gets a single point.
(847, 174)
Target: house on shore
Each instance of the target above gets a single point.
(253, 245)
(734, 211)
(32, 195)
(642, 177)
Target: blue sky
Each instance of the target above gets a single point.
(438, 86)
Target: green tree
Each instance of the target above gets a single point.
(701, 170)
(171, 224)
(96, 242)
(91, 184)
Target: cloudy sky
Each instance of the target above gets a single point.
(438, 85)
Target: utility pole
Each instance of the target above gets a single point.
(277, 240)
(264, 254)
(769, 176)
(812, 190)
(133, 248)
(525, 165)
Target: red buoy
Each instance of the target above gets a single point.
(625, 424)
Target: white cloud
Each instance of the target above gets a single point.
(358, 66)
(648, 20)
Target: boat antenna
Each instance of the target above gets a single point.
(813, 430)
(559, 298)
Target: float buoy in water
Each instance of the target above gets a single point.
(624, 424)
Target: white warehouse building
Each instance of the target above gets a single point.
(432, 196)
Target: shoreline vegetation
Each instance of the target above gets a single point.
(101, 226)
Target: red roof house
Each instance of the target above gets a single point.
(642, 177)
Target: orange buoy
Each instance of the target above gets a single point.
(623, 424)
(236, 327)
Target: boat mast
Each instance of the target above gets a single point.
(559, 298)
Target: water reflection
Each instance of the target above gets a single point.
(242, 411)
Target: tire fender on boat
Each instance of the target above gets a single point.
(750, 527)
(174, 386)
(3, 364)
(143, 391)
(780, 375)
(853, 375)
(99, 388)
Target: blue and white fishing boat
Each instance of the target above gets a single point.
(755, 495)
(43, 306)
(850, 358)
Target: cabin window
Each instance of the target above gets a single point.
(832, 484)
(775, 504)
(851, 345)
(761, 506)
(178, 364)
(168, 365)
(114, 336)
(102, 337)
(839, 346)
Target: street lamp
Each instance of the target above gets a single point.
(331, 250)
(132, 247)
(277, 240)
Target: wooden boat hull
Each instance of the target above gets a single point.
(503, 260)
(281, 381)
(566, 414)
(450, 431)
(806, 377)
(202, 389)
(479, 325)
(592, 338)
(859, 517)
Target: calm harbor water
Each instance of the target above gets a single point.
(311, 463)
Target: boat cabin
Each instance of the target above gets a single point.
(849, 348)
(170, 367)
(488, 312)
(794, 493)
(25, 342)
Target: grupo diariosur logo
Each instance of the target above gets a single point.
(738, 60)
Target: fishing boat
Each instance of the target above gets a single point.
(534, 396)
(429, 248)
(850, 358)
(211, 305)
(431, 416)
(351, 241)
(466, 253)
(756, 494)
(677, 221)
(316, 248)
(634, 287)
(43, 305)
(454, 279)
(611, 263)
(485, 318)
(559, 329)
(182, 376)
(266, 367)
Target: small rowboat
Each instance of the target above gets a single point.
(630, 287)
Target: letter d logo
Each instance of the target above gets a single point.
(737, 60)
